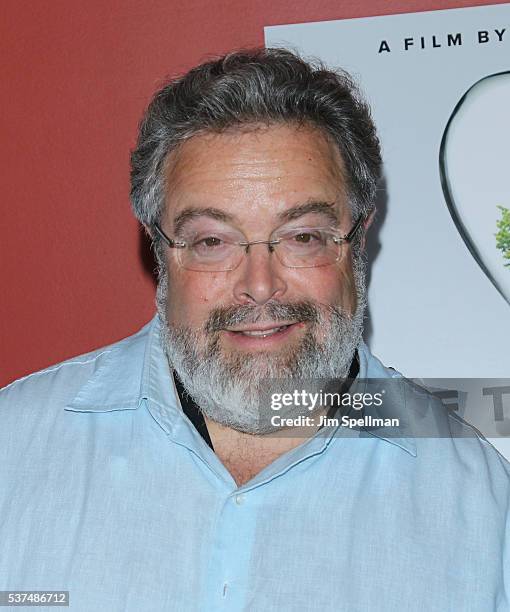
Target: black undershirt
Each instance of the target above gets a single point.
(194, 414)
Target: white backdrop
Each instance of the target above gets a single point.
(434, 310)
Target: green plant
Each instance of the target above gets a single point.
(503, 235)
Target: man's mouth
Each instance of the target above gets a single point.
(256, 334)
(262, 333)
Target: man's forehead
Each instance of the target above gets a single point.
(284, 165)
(242, 150)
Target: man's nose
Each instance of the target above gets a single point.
(260, 276)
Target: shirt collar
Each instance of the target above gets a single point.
(115, 382)
(136, 369)
(126, 373)
(397, 395)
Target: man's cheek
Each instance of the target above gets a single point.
(187, 309)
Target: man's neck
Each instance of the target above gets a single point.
(245, 455)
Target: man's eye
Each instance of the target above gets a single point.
(208, 242)
(303, 237)
(306, 237)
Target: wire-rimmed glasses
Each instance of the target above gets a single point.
(222, 250)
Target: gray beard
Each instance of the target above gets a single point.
(234, 390)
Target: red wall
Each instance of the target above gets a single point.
(76, 76)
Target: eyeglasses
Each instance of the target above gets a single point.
(223, 250)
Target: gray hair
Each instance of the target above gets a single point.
(249, 87)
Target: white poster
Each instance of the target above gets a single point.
(439, 87)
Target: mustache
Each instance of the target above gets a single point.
(228, 316)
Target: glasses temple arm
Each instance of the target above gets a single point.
(171, 243)
(348, 237)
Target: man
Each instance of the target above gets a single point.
(151, 475)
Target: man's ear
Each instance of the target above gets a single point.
(366, 224)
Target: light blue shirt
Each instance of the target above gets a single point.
(108, 491)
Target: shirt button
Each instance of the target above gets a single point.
(239, 499)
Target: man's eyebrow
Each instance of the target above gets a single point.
(313, 206)
(190, 213)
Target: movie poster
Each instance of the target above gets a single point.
(439, 283)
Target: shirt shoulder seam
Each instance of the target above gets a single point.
(51, 369)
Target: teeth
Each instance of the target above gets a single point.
(265, 333)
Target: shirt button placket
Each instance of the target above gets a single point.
(232, 554)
